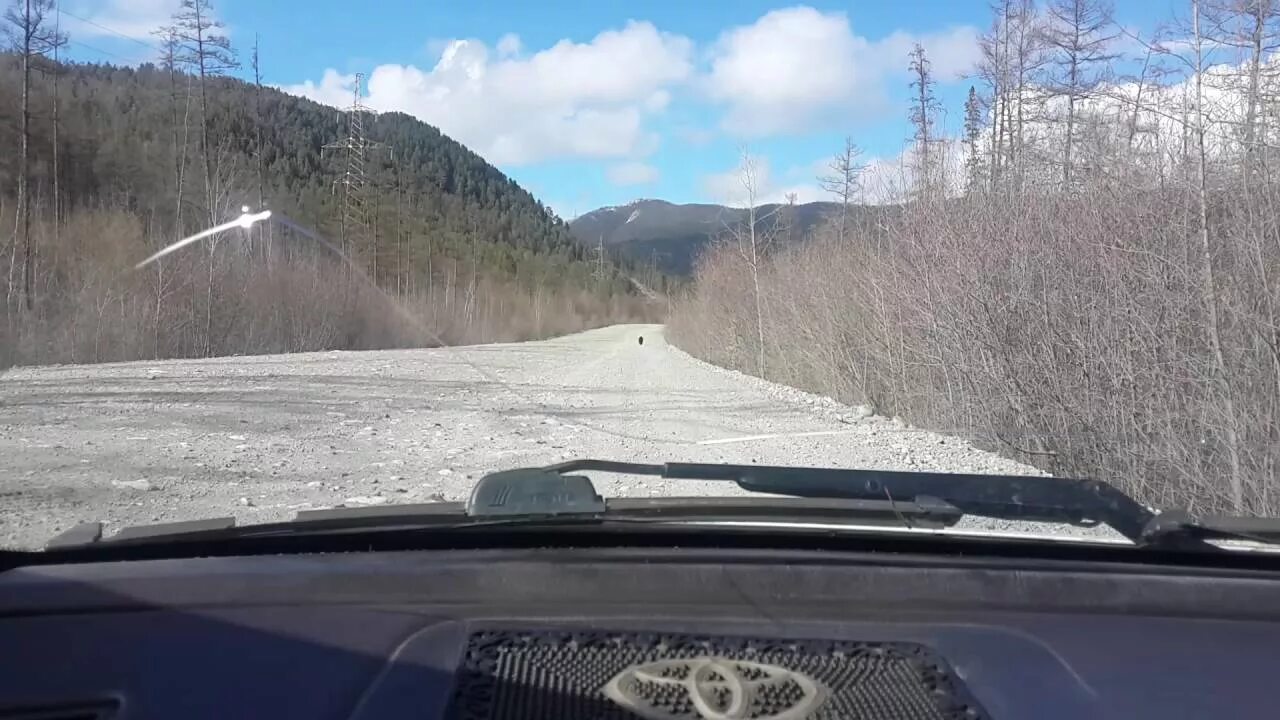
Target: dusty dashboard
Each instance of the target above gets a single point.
(628, 633)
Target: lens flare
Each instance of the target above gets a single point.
(245, 221)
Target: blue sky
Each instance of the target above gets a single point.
(599, 102)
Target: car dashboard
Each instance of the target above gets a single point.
(625, 632)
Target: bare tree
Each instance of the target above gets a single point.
(752, 238)
(1028, 58)
(1262, 43)
(209, 53)
(1141, 82)
(1250, 28)
(1078, 34)
(171, 51)
(1213, 324)
(60, 39)
(923, 116)
(264, 229)
(844, 181)
(993, 68)
(1012, 56)
(28, 32)
(257, 122)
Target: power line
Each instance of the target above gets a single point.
(100, 26)
(99, 50)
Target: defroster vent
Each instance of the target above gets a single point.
(572, 675)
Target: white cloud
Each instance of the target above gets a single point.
(803, 192)
(566, 211)
(695, 136)
(508, 45)
(132, 18)
(778, 73)
(883, 179)
(886, 180)
(1104, 123)
(953, 53)
(799, 68)
(333, 89)
(571, 100)
(632, 173)
(893, 180)
(657, 101)
(728, 188)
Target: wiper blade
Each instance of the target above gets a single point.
(444, 516)
(1175, 525)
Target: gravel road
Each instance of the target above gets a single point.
(262, 437)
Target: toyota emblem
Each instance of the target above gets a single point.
(717, 688)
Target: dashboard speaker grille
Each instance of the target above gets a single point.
(576, 675)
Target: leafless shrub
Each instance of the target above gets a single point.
(1101, 301)
(1064, 329)
(98, 308)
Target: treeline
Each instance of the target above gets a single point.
(1090, 286)
(119, 162)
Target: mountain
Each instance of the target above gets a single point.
(122, 130)
(672, 236)
(446, 234)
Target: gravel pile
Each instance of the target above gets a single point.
(262, 437)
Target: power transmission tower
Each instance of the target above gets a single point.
(599, 271)
(354, 181)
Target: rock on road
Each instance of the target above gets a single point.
(264, 436)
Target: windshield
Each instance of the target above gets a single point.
(247, 274)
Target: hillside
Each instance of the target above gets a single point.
(446, 232)
(673, 236)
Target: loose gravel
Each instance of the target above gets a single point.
(262, 437)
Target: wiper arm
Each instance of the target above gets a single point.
(1006, 497)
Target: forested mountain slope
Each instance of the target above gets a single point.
(673, 236)
(448, 238)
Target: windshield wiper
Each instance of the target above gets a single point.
(1008, 497)
(552, 495)
(1005, 497)
(443, 516)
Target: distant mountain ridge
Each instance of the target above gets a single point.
(673, 235)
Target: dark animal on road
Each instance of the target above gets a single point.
(641, 339)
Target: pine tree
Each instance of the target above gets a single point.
(973, 162)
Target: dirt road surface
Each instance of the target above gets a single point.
(262, 437)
